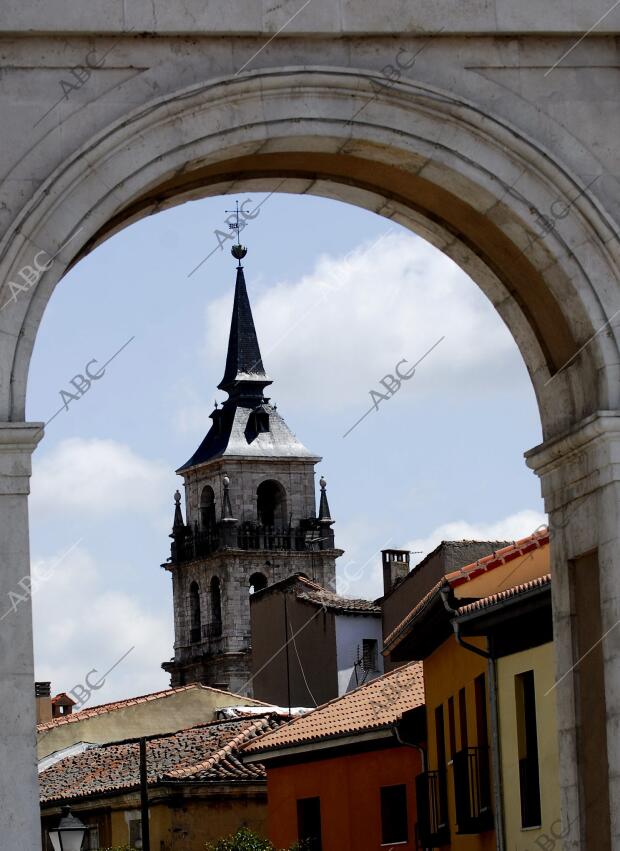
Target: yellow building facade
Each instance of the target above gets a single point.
(540, 661)
(455, 683)
(484, 634)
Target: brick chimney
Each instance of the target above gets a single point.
(395, 568)
(43, 699)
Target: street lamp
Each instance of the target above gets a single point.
(69, 834)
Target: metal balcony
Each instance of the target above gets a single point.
(472, 790)
(432, 829)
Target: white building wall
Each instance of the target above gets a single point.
(351, 630)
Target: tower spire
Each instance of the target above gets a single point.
(324, 514)
(244, 376)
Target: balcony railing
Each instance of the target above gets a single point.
(432, 828)
(189, 544)
(472, 790)
(257, 537)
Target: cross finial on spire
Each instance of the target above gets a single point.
(238, 251)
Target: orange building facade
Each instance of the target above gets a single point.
(349, 791)
(342, 778)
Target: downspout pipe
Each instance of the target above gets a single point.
(419, 748)
(495, 744)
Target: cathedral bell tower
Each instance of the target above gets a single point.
(250, 518)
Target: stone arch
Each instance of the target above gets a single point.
(258, 581)
(271, 504)
(207, 508)
(472, 184)
(476, 198)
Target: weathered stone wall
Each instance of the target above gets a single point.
(226, 660)
(297, 478)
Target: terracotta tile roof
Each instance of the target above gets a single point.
(205, 753)
(346, 605)
(62, 699)
(373, 706)
(517, 549)
(93, 711)
(494, 599)
(311, 592)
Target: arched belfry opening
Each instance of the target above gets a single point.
(195, 618)
(258, 581)
(215, 626)
(207, 508)
(271, 504)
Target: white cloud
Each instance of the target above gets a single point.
(510, 528)
(361, 314)
(359, 575)
(80, 625)
(98, 476)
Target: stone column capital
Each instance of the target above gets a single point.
(17, 443)
(580, 461)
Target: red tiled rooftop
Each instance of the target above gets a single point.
(375, 705)
(493, 599)
(517, 549)
(311, 592)
(207, 752)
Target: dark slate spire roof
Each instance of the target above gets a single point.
(244, 365)
(246, 425)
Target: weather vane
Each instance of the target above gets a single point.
(238, 251)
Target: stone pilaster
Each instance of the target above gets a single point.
(19, 790)
(580, 480)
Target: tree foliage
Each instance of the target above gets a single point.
(246, 840)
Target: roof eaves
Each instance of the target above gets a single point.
(503, 599)
(404, 627)
(519, 548)
(340, 739)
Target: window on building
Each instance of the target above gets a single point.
(370, 654)
(207, 508)
(258, 581)
(215, 627)
(451, 727)
(135, 833)
(271, 504)
(463, 718)
(194, 606)
(91, 840)
(482, 730)
(394, 825)
(527, 743)
(440, 738)
(309, 823)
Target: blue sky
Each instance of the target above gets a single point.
(340, 296)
